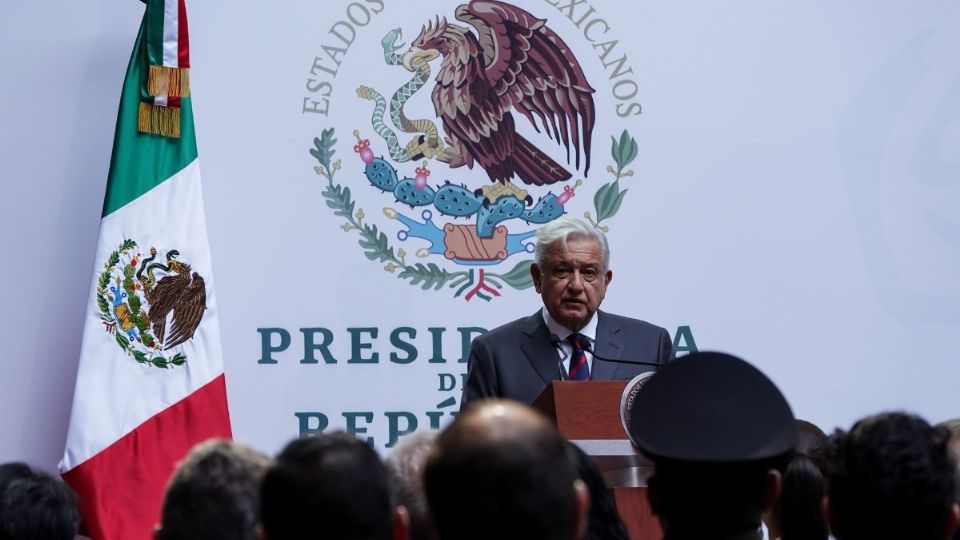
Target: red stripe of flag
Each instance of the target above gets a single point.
(183, 41)
(121, 488)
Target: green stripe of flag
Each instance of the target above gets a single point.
(141, 161)
(154, 17)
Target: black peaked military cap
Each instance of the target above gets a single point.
(711, 407)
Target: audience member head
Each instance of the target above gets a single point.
(719, 433)
(603, 522)
(328, 486)
(34, 505)
(954, 427)
(798, 512)
(405, 466)
(501, 471)
(214, 493)
(892, 477)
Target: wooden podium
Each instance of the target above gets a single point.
(587, 413)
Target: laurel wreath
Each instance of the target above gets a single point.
(376, 245)
(608, 198)
(103, 280)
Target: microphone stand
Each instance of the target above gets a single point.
(588, 348)
(557, 343)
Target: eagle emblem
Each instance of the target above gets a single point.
(514, 62)
(150, 306)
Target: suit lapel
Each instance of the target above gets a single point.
(541, 354)
(609, 344)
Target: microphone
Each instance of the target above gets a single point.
(556, 341)
(589, 348)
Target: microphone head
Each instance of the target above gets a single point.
(555, 340)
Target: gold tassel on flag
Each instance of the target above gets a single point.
(168, 81)
(163, 121)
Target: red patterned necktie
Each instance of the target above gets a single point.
(579, 369)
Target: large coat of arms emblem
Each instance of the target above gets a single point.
(511, 67)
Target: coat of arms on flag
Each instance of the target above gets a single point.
(145, 313)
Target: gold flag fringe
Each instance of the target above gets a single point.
(168, 81)
(163, 121)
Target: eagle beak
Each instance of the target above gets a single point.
(418, 57)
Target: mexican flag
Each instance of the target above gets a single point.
(150, 383)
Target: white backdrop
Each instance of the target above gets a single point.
(794, 201)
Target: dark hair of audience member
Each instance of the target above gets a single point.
(329, 486)
(603, 522)
(798, 512)
(891, 477)
(13, 470)
(35, 505)
(706, 497)
(515, 487)
(214, 494)
(405, 465)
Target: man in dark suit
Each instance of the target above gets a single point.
(571, 271)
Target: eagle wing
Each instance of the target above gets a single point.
(474, 117)
(164, 297)
(187, 311)
(532, 70)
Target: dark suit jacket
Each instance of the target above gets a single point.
(517, 360)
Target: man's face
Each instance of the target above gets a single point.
(572, 283)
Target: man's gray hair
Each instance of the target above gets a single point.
(405, 466)
(567, 228)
